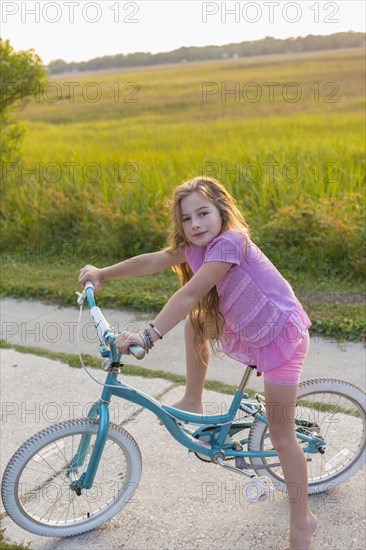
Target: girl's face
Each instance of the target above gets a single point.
(201, 219)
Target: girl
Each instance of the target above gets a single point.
(232, 296)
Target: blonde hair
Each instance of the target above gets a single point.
(205, 317)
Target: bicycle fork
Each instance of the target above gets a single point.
(99, 409)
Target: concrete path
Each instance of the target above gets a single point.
(181, 502)
(33, 323)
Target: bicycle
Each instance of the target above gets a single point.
(51, 486)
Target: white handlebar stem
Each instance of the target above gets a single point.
(104, 330)
(100, 323)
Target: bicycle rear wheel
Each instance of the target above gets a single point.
(336, 409)
(36, 487)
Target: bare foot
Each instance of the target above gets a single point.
(300, 536)
(186, 405)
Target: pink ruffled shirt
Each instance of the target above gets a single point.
(264, 321)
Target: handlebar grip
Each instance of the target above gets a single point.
(89, 284)
(137, 351)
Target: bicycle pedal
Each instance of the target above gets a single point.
(258, 489)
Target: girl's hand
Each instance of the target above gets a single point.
(91, 273)
(125, 339)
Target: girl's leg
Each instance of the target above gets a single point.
(196, 369)
(280, 407)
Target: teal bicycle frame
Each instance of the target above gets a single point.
(217, 426)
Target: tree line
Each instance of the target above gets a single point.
(265, 46)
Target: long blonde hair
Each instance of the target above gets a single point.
(205, 317)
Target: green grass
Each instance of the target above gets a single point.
(57, 282)
(8, 546)
(177, 93)
(328, 407)
(90, 156)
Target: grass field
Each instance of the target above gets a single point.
(126, 139)
(285, 134)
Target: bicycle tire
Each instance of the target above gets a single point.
(342, 422)
(36, 488)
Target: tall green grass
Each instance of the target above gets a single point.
(103, 169)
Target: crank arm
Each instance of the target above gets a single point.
(221, 462)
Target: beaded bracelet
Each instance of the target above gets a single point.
(149, 338)
(145, 345)
(155, 329)
(148, 341)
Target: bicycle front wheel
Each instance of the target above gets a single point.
(333, 410)
(36, 487)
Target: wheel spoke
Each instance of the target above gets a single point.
(338, 410)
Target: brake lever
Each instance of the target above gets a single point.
(81, 297)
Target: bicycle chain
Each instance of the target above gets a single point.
(306, 424)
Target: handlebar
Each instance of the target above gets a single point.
(104, 330)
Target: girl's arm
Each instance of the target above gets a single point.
(144, 264)
(180, 304)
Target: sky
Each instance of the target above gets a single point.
(79, 30)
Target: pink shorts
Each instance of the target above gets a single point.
(288, 374)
